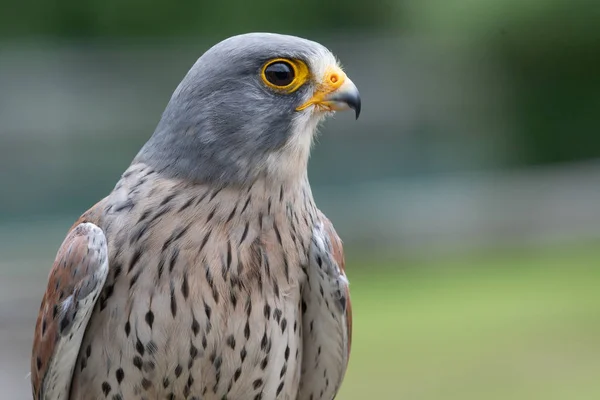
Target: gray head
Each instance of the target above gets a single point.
(249, 107)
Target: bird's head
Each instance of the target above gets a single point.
(249, 107)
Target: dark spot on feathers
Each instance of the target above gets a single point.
(120, 375)
(185, 288)
(264, 341)
(139, 347)
(146, 383)
(237, 374)
(195, 326)
(211, 215)
(204, 241)
(247, 330)
(173, 301)
(232, 213)
(175, 235)
(105, 388)
(161, 266)
(151, 347)
(279, 388)
(149, 318)
(108, 291)
(202, 197)
(135, 278)
(231, 341)
(144, 215)
(134, 259)
(277, 315)
(229, 255)
(245, 232)
(118, 268)
(174, 257)
(214, 194)
(167, 199)
(207, 311)
(193, 351)
(277, 233)
(186, 204)
(160, 213)
(127, 204)
(64, 323)
(246, 204)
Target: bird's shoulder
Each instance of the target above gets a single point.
(327, 314)
(325, 229)
(76, 278)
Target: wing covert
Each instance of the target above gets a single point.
(74, 284)
(326, 316)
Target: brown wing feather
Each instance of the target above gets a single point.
(75, 281)
(326, 316)
(338, 255)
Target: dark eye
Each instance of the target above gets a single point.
(279, 73)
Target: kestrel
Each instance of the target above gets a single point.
(208, 272)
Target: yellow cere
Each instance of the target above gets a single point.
(301, 74)
(334, 78)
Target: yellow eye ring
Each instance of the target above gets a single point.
(286, 75)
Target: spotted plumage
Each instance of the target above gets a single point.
(208, 272)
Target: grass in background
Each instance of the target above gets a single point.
(508, 325)
(520, 325)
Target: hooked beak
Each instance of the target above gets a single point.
(335, 93)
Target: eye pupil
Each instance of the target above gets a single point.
(279, 73)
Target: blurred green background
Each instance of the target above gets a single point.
(468, 194)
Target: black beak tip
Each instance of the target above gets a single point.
(357, 108)
(354, 103)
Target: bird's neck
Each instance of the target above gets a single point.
(275, 193)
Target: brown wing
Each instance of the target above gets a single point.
(338, 255)
(74, 284)
(326, 318)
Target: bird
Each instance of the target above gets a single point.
(208, 272)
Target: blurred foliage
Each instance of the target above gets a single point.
(136, 18)
(500, 325)
(549, 48)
